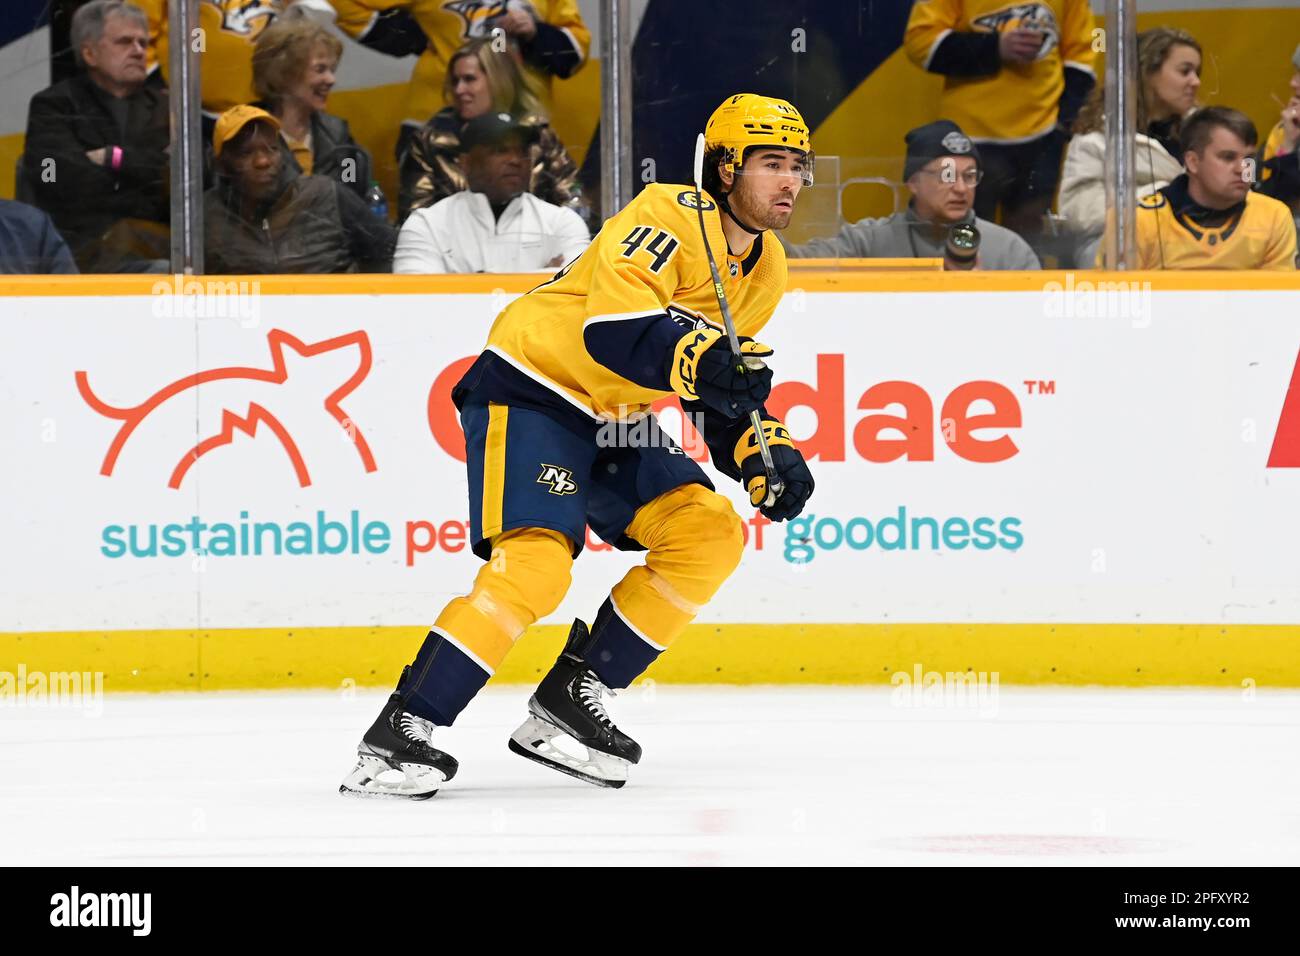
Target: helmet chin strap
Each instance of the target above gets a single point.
(726, 207)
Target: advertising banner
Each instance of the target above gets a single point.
(245, 460)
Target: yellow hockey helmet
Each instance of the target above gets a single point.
(751, 119)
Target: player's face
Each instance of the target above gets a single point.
(1173, 86)
(769, 183)
(1222, 170)
(469, 88)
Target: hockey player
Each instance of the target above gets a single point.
(632, 319)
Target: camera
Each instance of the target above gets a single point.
(962, 245)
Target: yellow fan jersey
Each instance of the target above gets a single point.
(1257, 233)
(1274, 142)
(598, 337)
(230, 28)
(990, 99)
(449, 25)
(1271, 146)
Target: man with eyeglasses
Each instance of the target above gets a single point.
(942, 171)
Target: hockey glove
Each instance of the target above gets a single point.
(791, 470)
(704, 369)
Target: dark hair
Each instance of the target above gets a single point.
(1198, 129)
(711, 179)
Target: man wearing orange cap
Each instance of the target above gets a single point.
(263, 217)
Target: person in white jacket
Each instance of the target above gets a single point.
(495, 225)
(1169, 64)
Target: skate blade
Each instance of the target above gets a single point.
(375, 777)
(535, 740)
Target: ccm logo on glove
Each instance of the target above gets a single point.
(704, 369)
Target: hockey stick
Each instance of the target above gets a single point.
(774, 486)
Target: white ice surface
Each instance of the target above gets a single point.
(730, 776)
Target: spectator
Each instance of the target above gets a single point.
(263, 216)
(1209, 217)
(480, 81)
(546, 38)
(1279, 168)
(942, 171)
(1015, 79)
(96, 154)
(29, 243)
(294, 61)
(494, 225)
(1169, 70)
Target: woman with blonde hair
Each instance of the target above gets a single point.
(1169, 70)
(481, 80)
(294, 62)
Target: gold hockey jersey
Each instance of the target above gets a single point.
(991, 100)
(230, 28)
(450, 24)
(1257, 233)
(596, 338)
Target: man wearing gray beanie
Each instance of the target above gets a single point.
(942, 171)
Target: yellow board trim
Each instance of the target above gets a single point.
(819, 279)
(494, 468)
(1121, 655)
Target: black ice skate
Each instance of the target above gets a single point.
(567, 727)
(395, 757)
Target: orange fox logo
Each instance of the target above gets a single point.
(257, 414)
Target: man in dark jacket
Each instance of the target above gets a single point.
(96, 152)
(263, 217)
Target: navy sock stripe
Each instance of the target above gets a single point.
(617, 654)
(442, 681)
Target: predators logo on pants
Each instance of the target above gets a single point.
(530, 469)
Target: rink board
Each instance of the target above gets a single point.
(1021, 474)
